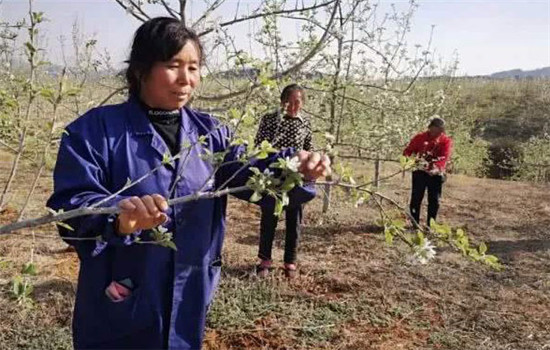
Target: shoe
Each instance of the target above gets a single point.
(262, 269)
(290, 271)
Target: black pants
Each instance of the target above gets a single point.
(268, 225)
(420, 181)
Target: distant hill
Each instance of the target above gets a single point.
(518, 73)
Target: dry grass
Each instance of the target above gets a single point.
(353, 292)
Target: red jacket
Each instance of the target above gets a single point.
(436, 151)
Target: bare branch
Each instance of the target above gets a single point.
(182, 10)
(170, 10)
(266, 14)
(139, 9)
(110, 210)
(116, 91)
(2, 143)
(130, 11)
(208, 11)
(316, 48)
(290, 70)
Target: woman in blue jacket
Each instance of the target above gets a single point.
(142, 296)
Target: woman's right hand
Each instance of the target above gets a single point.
(141, 213)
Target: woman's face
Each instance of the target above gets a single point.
(169, 85)
(294, 103)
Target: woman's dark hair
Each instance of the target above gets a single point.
(289, 89)
(157, 40)
(437, 122)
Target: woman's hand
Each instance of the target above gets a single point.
(313, 165)
(141, 213)
(435, 171)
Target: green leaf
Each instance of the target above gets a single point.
(29, 269)
(255, 197)
(482, 248)
(17, 286)
(262, 155)
(399, 223)
(234, 113)
(38, 17)
(29, 47)
(166, 159)
(202, 140)
(255, 170)
(73, 92)
(284, 199)
(90, 43)
(47, 93)
(28, 289)
(248, 120)
(388, 235)
(238, 141)
(64, 225)
(278, 207)
(170, 244)
(288, 184)
(420, 237)
(403, 161)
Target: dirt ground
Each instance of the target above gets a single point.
(353, 291)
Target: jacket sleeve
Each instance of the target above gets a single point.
(412, 148)
(444, 154)
(237, 175)
(80, 175)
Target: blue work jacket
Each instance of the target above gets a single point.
(171, 290)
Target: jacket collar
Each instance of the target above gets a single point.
(140, 124)
(285, 116)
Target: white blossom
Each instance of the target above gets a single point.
(423, 253)
(293, 163)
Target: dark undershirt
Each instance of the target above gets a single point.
(167, 124)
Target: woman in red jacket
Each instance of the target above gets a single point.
(432, 148)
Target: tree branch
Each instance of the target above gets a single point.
(208, 11)
(110, 210)
(170, 10)
(140, 10)
(182, 11)
(266, 14)
(130, 11)
(289, 71)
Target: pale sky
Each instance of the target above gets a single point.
(488, 35)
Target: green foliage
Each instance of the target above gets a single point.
(535, 161)
(167, 159)
(21, 290)
(458, 239)
(29, 269)
(275, 186)
(161, 237)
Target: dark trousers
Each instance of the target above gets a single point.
(268, 225)
(420, 181)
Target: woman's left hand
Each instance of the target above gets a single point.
(313, 165)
